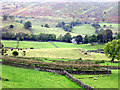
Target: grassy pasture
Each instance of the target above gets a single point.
(27, 44)
(103, 81)
(27, 78)
(99, 46)
(38, 45)
(56, 31)
(115, 25)
(17, 27)
(84, 29)
(66, 53)
(71, 45)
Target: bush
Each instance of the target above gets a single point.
(11, 26)
(31, 48)
(102, 61)
(97, 62)
(15, 53)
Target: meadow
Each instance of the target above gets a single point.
(103, 81)
(45, 49)
(115, 25)
(39, 45)
(27, 78)
(17, 27)
(84, 29)
(51, 30)
(27, 44)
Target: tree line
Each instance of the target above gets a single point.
(102, 37)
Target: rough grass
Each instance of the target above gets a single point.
(84, 29)
(27, 78)
(66, 53)
(56, 31)
(17, 27)
(36, 29)
(103, 81)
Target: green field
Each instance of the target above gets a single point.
(72, 45)
(27, 78)
(99, 46)
(84, 29)
(67, 53)
(64, 50)
(108, 25)
(27, 44)
(103, 81)
(17, 27)
(36, 29)
(38, 45)
(56, 31)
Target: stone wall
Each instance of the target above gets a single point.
(78, 81)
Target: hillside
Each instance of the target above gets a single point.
(18, 27)
(52, 13)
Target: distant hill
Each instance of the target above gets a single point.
(18, 27)
(54, 12)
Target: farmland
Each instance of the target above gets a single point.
(45, 49)
(110, 81)
(26, 78)
(38, 45)
(84, 29)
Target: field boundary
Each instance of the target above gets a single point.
(61, 72)
(53, 44)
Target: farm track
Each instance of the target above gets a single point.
(53, 44)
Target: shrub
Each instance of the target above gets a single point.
(102, 61)
(24, 53)
(31, 48)
(80, 59)
(11, 26)
(97, 62)
(15, 53)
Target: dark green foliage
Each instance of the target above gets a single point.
(24, 53)
(66, 37)
(86, 39)
(46, 25)
(79, 39)
(21, 21)
(112, 49)
(2, 47)
(60, 24)
(31, 48)
(105, 36)
(15, 53)
(96, 25)
(118, 35)
(67, 28)
(5, 17)
(104, 25)
(11, 17)
(11, 26)
(94, 38)
(27, 25)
